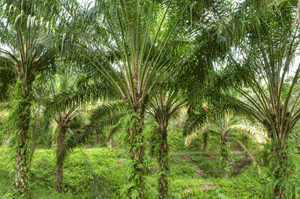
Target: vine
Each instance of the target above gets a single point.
(138, 165)
(17, 122)
(226, 157)
(283, 178)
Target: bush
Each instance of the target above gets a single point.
(184, 169)
(176, 141)
(209, 165)
(214, 142)
(196, 144)
(246, 185)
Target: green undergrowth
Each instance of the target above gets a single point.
(192, 176)
(78, 181)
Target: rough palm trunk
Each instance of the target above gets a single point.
(137, 147)
(20, 185)
(137, 150)
(163, 162)
(225, 154)
(60, 157)
(279, 150)
(281, 155)
(205, 138)
(35, 135)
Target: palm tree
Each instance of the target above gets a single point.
(142, 52)
(59, 84)
(26, 50)
(219, 120)
(222, 125)
(162, 107)
(66, 92)
(266, 59)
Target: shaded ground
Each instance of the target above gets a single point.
(208, 164)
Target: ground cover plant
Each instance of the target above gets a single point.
(86, 168)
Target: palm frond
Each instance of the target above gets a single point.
(256, 133)
(103, 116)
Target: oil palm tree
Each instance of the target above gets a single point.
(220, 124)
(63, 81)
(218, 120)
(26, 49)
(162, 107)
(142, 47)
(264, 65)
(63, 97)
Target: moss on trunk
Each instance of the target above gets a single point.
(20, 185)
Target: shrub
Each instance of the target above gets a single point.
(176, 141)
(195, 144)
(209, 165)
(184, 168)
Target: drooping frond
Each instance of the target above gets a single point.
(197, 116)
(259, 135)
(105, 115)
(206, 128)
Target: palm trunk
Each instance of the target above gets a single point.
(205, 138)
(36, 131)
(225, 155)
(281, 156)
(278, 190)
(20, 185)
(279, 151)
(60, 157)
(163, 162)
(20, 180)
(137, 151)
